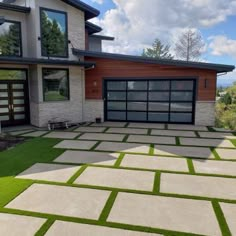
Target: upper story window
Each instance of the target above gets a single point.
(54, 35)
(10, 39)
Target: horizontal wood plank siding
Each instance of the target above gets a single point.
(117, 69)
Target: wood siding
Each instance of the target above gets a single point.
(110, 68)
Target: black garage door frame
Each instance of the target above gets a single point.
(144, 79)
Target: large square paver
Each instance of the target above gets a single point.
(61, 135)
(151, 139)
(127, 131)
(217, 135)
(72, 144)
(173, 133)
(102, 137)
(35, 134)
(49, 172)
(20, 132)
(212, 187)
(154, 163)
(60, 200)
(184, 215)
(146, 125)
(80, 157)
(124, 147)
(187, 127)
(227, 154)
(109, 124)
(117, 178)
(206, 142)
(198, 152)
(18, 225)
(215, 167)
(73, 229)
(229, 211)
(90, 129)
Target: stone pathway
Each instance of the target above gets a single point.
(127, 180)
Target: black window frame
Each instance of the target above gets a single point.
(66, 32)
(68, 83)
(127, 79)
(21, 46)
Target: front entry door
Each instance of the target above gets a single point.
(14, 108)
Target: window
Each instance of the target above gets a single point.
(10, 39)
(54, 37)
(13, 74)
(56, 84)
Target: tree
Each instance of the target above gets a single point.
(158, 50)
(227, 99)
(189, 46)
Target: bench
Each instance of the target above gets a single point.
(53, 124)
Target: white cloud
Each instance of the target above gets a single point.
(227, 79)
(221, 45)
(98, 1)
(135, 24)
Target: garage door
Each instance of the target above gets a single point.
(168, 101)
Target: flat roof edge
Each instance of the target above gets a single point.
(219, 68)
(16, 8)
(102, 37)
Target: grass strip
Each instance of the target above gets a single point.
(177, 141)
(119, 160)
(107, 209)
(216, 155)
(157, 182)
(95, 146)
(151, 150)
(45, 227)
(77, 174)
(125, 138)
(191, 166)
(221, 219)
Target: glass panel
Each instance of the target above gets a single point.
(3, 102)
(115, 115)
(4, 110)
(4, 118)
(182, 85)
(19, 117)
(159, 96)
(3, 94)
(181, 107)
(116, 85)
(158, 106)
(18, 94)
(10, 39)
(138, 96)
(181, 96)
(18, 86)
(137, 106)
(19, 109)
(181, 117)
(158, 117)
(137, 85)
(18, 101)
(159, 85)
(56, 85)
(54, 40)
(116, 96)
(116, 105)
(137, 116)
(3, 86)
(12, 74)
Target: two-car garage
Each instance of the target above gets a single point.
(150, 100)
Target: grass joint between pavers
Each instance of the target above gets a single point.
(45, 227)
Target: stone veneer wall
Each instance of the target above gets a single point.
(205, 113)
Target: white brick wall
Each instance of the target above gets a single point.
(205, 113)
(93, 109)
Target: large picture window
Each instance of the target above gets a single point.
(54, 37)
(10, 39)
(55, 84)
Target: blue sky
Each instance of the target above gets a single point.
(135, 24)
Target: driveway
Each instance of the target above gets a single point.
(129, 179)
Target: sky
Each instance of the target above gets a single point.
(135, 24)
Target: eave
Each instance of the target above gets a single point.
(11, 7)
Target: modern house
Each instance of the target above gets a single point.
(52, 66)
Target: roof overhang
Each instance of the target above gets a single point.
(92, 28)
(102, 37)
(89, 12)
(11, 7)
(36, 61)
(219, 68)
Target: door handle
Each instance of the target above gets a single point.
(12, 107)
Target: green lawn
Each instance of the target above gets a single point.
(14, 161)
